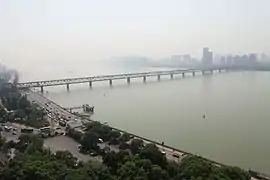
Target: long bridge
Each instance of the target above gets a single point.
(110, 78)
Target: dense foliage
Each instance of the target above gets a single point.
(34, 162)
(16, 108)
(95, 133)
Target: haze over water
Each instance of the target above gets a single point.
(236, 105)
(58, 39)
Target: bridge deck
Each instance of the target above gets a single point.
(107, 77)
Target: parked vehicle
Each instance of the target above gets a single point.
(27, 130)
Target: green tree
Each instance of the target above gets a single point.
(90, 171)
(2, 140)
(23, 103)
(66, 157)
(229, 173)
(195, 167)
(29, 143)
(89, 141)
(136, 145)
(20, 114)
(157, 173)
(114, 137)
(172, 168)
(129, 171)
(124, 138)
(152, 152)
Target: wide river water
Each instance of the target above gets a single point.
(236, 128)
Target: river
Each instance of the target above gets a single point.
(235, 129)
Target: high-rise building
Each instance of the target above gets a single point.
(176, 59)
(207, 58)
(229, 60)
(186, 58)
(222, 60)
(252, 58)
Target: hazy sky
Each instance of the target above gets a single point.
(95, 29)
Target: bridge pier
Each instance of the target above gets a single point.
(171, 76)
(144, 79)
(128, 80)
(193, 73)
(110, 82)
(42, 89)
(219, 70)
(183, 74)
(90, 84)
(203, 72)
(68, 87)
(158, 77)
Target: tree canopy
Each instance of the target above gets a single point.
(34, 162)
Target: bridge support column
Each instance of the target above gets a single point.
(42, 89)
(183, 74)
(203, 72)
(68, 87)
(128, 80)
(219, 70)
(171, 76)
(211, 71)
(110, 82)
(193, 73)
(90, 84)
(158, 77)
(144, 79)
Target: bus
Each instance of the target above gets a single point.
(45, 129)
(27, 130)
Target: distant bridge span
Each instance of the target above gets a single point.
(109, 78)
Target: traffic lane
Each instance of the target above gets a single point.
(62, 143)
(170, 151)
(51, 107)
(55, 108)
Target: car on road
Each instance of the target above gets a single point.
(93, 154)
(7, 128)
(163, 152)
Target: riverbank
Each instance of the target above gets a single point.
(170, 151)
